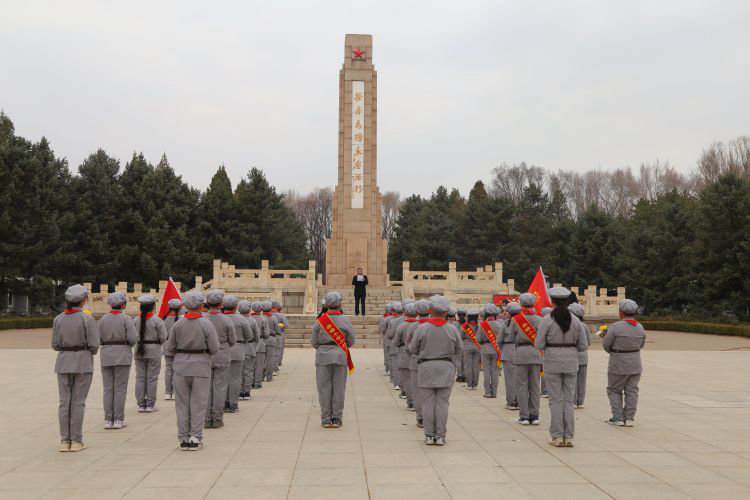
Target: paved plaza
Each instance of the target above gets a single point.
(691, 440)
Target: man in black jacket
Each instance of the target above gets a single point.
(359, 281)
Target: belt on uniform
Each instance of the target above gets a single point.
(504, 343)
(240, 342)
(420, 361)
(115, 342)
(75, 348)
(620, 351)
(149, 342)
(561, 345)
(191, 351)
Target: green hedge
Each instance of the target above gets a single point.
(698, 327)
(18, 322)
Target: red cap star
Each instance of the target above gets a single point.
(359, 54)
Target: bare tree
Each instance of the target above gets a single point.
(391, 207)
(315, 212)
(511, 181)
(719, 159)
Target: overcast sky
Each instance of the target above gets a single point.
(463, 86)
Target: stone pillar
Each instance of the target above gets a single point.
(498, 274)
(452, 276)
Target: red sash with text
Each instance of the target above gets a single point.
(469, 331)
(526, 327)
(338, 337)
(492, 337)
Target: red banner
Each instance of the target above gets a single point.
(338, 337)
(539, 289)
(170, 293)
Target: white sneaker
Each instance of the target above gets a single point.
(523, 421)
(535, 421)
(614, 421)
(557, 442)
(429, 440)
(628, 423)
(194, 443)
(440, 441)
(151, 409)
(142, 409)
(119, 424)
(168, 396)
(108, 424)
(579, 407)
(396, 388)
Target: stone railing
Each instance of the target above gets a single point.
(598, 305)
(98, 300)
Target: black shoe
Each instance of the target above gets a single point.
(227, 405)
(184, 446)
(208, 424)
(335, 423)
(326, 424)
(218, 424)
(420, 423)
(236, 407)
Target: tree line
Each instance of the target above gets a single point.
(138, 223)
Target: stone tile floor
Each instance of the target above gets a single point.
(691, 440)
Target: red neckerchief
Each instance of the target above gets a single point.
(72, 311)
(214, 312)
(410, 320)
(193, 315)
(229, 312)
(267, 313)
(437, 321)
(531, 312)
(334, 312)
(254, 314)
(170, 315)
(149, 316)
(387, 315)
(115, 311)
(631, 322)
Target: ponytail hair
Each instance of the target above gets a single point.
(561, 314)
(145, 309)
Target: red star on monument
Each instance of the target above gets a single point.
(359, 54)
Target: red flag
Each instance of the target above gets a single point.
(170, 293)
(539, 288)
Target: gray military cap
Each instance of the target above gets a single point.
(473, 312)
(559, 293)
(514, 308)
(266, 305)
(174, 303)
(422, 307)
(117, 299)
(527, 299)
(491, 310)
(452, 311)
(546, 310)
(147, 299)
(410, 309)
(244, 306)
(461, 310)
(214, 297)
(257, 306)
(388, 308)
(439, 304)
(333, 300)
(230, 301)
(628, 307)
(275, 303)
(398, 307)
(76, 293)
(576, 309)
(193, 300)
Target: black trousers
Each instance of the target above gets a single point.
(359, 299)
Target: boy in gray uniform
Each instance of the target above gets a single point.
(436, 342)
(191, 343)
(271, 343)
(277, 308)
(75, 337)
(151, 335)
(236, 353)
(331, 363)
(382, 327)
(422, 308)
(505, 342)
(403, 357)
(583, 357)
(260, 351)
(172, 316)
(396, 319)
(623, 342)
(487, 350)
(248, 367)
(560, 336)
(117, 336)
(459, 360)
(220, 361)
(471, 355)
(527, 361)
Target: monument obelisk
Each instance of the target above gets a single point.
(356, 239)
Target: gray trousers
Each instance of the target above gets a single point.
(281, 350)
(73, 389)
(191, 395)
(543, 385)
(331, 380)
(527, 389)
(168, 375)
(404, 376)
(234, 382)
(471, 367)
(491, 373)
(146, 379)
(581, 384)
(260, 367)
(248, 373)
(510, 383)
(458, 360)
(619, 385)
(435, 403)
(217, 392)
(386, 357)
(115, 390)
(417, 393)
(270, 356)
(394, 366)
(561, 389)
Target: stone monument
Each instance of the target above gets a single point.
(356, 239)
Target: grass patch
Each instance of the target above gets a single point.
(23, 322)
(735, 330)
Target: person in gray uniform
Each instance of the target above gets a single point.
(527, 360)
(422, 308)
(471, 355)
(583, 357)
(396, 319)
(261, 348)
(331, 363)
(435, 343)
(505, 342)
(117, 336)
(623, 342)
(192, 342)
(76, 340)
(271, 342)
(248, 367)
(459, 361)
(561, 337)
(382, 328)
(151, 335)
(220, 361)
(403, 357)
(283, 320)
(237, 353)
(543, 385)
(489, 355)
(175, 305)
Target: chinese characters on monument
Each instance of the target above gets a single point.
(358, 143)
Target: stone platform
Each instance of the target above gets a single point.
(691, 440)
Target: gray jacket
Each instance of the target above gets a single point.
(227, 336)
(327, 352)
(506, 338)
(390, 333)
(561, 359)
(408, 336)
(118, 330)
(262, 332)
(399, 340)
(272, 325)
(196, 334)
(583, 356)
(435, 347)
(252, 347)
(73, 331)
(623, 336)
(244, 336)
(154, 336)
(468, 344)
(526, 353)
(484, 341)
(169, 322)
